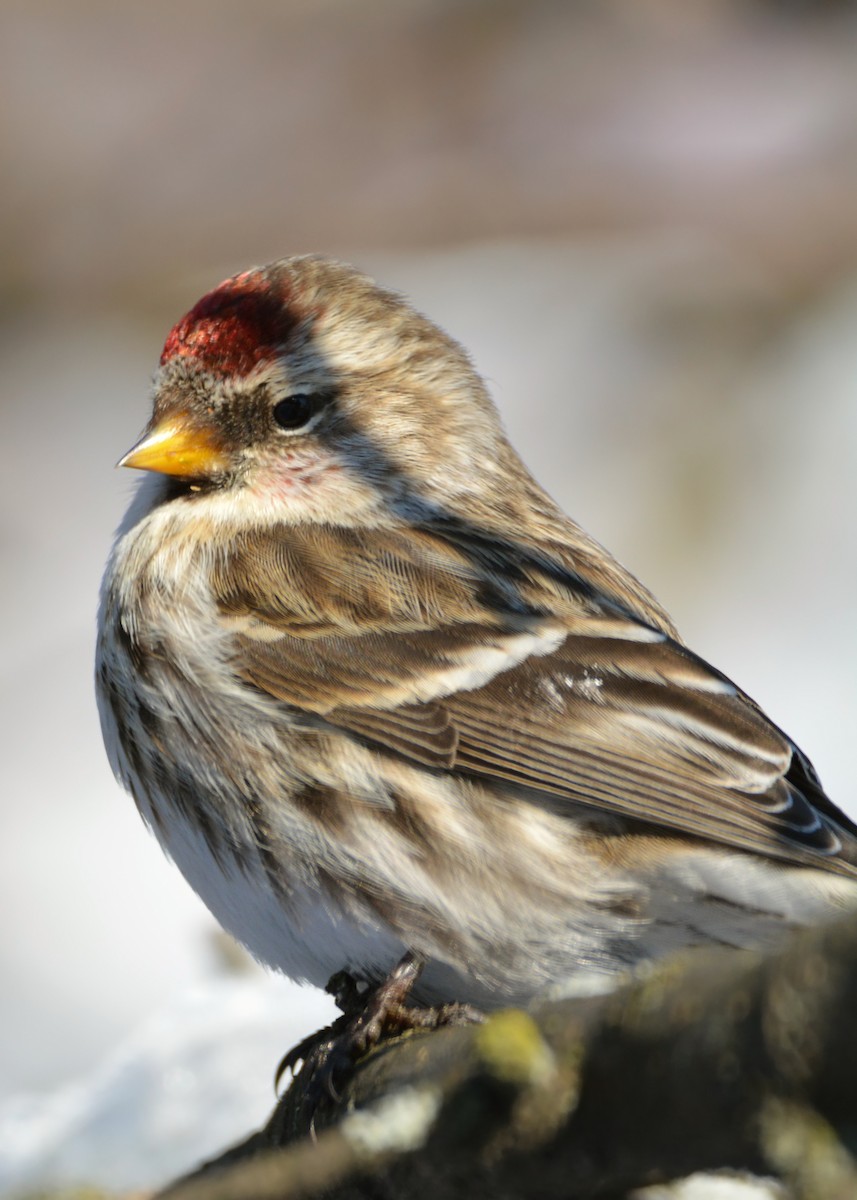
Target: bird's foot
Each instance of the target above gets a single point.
(368, 1017)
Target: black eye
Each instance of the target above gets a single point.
(296, 411)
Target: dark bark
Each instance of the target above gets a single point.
(717, 1059)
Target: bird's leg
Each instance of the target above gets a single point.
(385, 1012)
(367, 1018)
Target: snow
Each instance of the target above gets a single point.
(194, 1077)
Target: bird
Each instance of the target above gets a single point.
(377, 695)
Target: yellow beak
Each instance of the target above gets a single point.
(177, 446)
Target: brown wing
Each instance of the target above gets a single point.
(411, 646)
(635, 730)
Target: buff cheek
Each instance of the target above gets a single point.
(294, 475)
(314, 487)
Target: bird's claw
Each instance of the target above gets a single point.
(368, 1018)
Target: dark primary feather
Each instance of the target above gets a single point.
(367, 630)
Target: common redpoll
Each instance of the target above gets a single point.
(373, 691)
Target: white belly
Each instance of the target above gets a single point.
(309, 939)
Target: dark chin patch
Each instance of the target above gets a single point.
(245, 321)
(178, 488)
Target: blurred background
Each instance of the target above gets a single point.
(641, 218)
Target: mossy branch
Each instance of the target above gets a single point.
(716, 1059)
